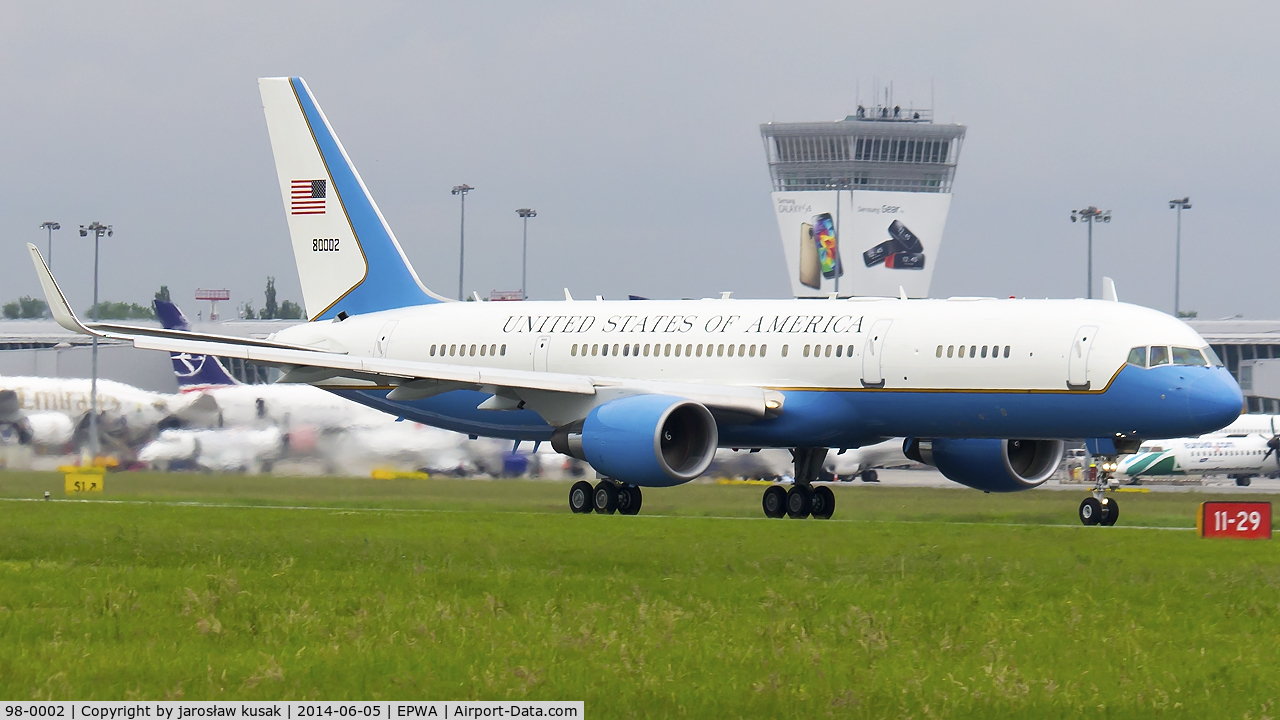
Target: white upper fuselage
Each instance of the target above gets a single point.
(792, 344)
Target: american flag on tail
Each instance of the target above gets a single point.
(306, 197)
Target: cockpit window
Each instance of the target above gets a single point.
(1212, 356)
(1159, 355)
(1138, 356)
(1188, 356)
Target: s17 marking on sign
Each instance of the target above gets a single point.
(1249, 520)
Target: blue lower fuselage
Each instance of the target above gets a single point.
(1161, 402)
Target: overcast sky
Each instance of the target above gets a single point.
(634, 132)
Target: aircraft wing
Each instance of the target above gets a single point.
(409, 379)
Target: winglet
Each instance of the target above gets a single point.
(902, 293)
(567, 296)
(58, 304)
(1109, 290)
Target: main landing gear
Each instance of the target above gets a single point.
(1098, 509)
(606, 498)
(803, 499)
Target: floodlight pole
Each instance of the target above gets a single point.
(50, 226)
(461, 191)
(1088, 216)
(525, 214)
(98, 230)
(1179, 205)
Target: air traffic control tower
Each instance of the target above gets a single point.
(862, 202)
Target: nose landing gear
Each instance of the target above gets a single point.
(1098, 509)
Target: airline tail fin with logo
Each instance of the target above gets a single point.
(348, 258)
(193, 371)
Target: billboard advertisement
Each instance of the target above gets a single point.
(874, 243)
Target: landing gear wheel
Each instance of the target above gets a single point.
(870, 476)
(775, 501)
(580, 497)
(629, 500)
(824, 502)
(1090, 511)
(1110, 511)
(799, 502)
(605, 498)
(1243, 481)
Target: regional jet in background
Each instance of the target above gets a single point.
(986, 390)
(1243, 450)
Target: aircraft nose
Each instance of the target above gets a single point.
(1214, 400)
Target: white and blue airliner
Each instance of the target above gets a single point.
(986, 390)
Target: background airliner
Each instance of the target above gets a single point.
(1243, 450)
(53, 413)
(249, 428)
(645, 391)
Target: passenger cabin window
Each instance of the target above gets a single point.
(1138, 356)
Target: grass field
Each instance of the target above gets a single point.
(912, 603)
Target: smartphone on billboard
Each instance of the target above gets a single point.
(824, 236)
(810, 270)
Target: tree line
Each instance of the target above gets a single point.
(29, 308)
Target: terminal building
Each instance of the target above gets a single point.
(1251, 351)
(861, 203)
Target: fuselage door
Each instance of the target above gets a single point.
(383, 343)
(540, 354)
(872, 370)
(1078, 358)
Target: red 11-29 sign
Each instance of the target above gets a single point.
(1251, 520)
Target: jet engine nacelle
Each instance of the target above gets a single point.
(646, 440)
(989, 465)
(50, 429)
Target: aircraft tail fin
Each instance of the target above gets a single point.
(192, 370)
(348, 259)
